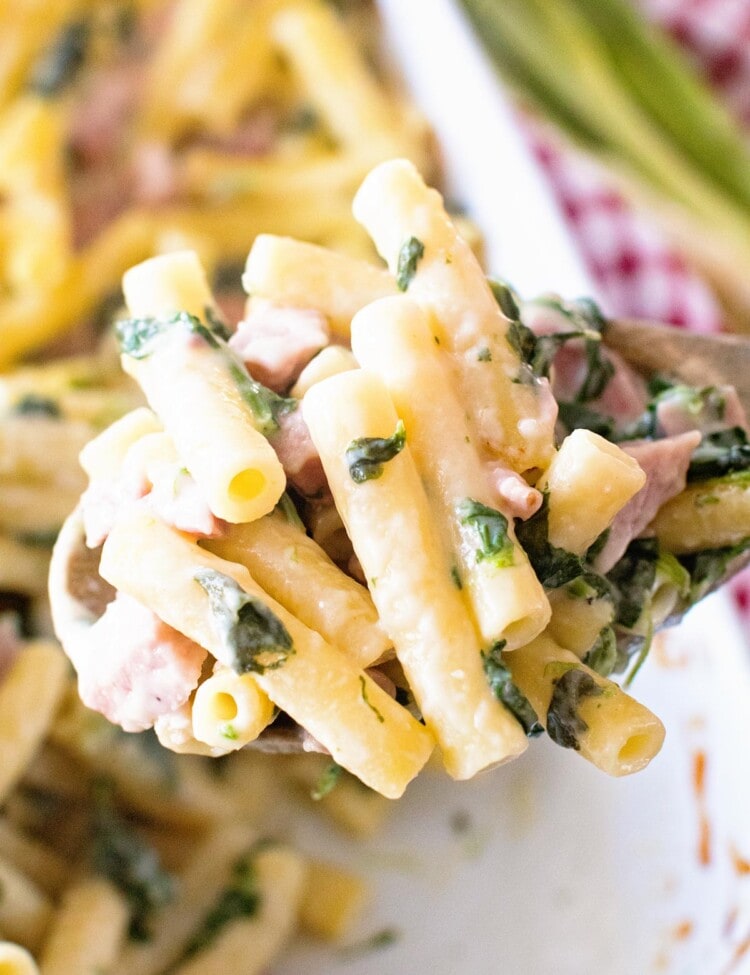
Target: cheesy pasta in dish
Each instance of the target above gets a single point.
(446, 529)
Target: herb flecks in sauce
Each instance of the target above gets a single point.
(254, 638)
(565, 726)
(412, 251)
(365, 456)
(368, 702)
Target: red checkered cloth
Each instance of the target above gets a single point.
(637, 272)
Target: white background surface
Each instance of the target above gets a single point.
(559, 870)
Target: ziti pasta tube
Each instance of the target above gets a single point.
(214, 412)
(391, 337)
(207, 598)
(355, 427)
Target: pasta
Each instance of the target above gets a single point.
(363, 543)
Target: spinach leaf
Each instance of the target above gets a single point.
(577, 416)
(708, 567)
(491, 526)
(723, 452)
(60, 64)
(365, 456)
(287, 507)
(553, 566)
(240, 898)
(599, 371)
(33, 405)
(254, 638)
(522, 340)
(602, 657)
(265, 405)
(409, 256)
(633, 577)
(137, 337)
(507, 300)
(133, 866)
(507, 692)
(564, 724)
(327, 781)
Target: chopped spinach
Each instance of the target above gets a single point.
(133, 866)
(254, 638)
(484, 354)
(491, 526)
(33, 405)
(376, 942)
(240, 898)
(507, 692)
(723, 452)
(137, 337)
(61, 62)
(456, 577)
(633, 577)
(409, 256)
(578, 416)
(602, 657)
(708, 567)
(328, 780)
(553, 566)
(286, 506)
(365, 456)
(599, 371)
(506, 299)
(565, 726)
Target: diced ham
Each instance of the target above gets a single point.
(180, 502)
(173, 495)
(155, 174)
(104, 107)
(665, 463)
(10, 643)
(132, 668)
(625, 395)
(517, 496)
(298, 456)
(674, 415)
(276, 343)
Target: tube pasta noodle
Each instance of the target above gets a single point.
(396, 207)
(15, 960)
(328, 362)
(195, 395)
(87, 931)
(29, 695)
(25, 910)
(392, 338)
(222, 71)
(303, 275)
(588, 474)
(229, 710)
(340, 88)
(298, 574)
(709, 514)
(410, 579)
(617, 734)
(363, 728)
(246, 946)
